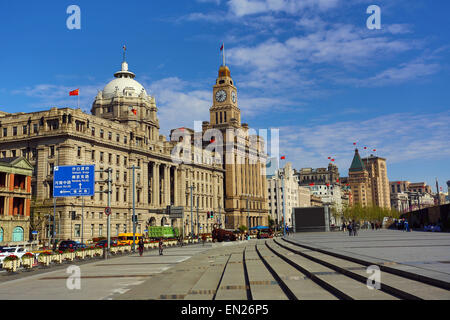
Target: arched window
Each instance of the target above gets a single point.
(17, 234)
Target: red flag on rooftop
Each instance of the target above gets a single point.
(221, 48)
(74, 92)
(283, 157)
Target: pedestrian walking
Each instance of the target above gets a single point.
(160, 246)
(141, 246)
(349, 228)
(204, 239)
(343, 227)
(354, 227)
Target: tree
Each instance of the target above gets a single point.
(242, 228)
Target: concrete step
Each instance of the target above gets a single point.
(300, 285)
(412, 287)
(263, 285)
(233, 286)
(346, 285)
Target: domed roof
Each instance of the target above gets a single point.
(124, 85)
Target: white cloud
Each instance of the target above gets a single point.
(249, 7)
(397, 137)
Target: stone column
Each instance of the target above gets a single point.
(155, 186)
(183, 187)
(175, 186)
(167, 184)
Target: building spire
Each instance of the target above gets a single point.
(124, 53)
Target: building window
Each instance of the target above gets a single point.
(118, 160)
(125, 140)
(125, 196)
(92, 230)
(79, 152)
(109, 135)
(5, 132)
(77, 230)
(93, 131)
(118, 138)
(24, 130)
(101, 133)
(14, 131)
(125, 161)
(109, 158)
(101, 156)
(93, 155)
(100, 230)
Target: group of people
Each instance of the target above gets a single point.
(141, 246)
(351, 227)
(402, 224)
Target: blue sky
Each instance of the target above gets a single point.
(308, 67)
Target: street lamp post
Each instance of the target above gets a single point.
(192, 203)
(133, 167)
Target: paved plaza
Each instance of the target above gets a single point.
(276, 269)
(424, 253)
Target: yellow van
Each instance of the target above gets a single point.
(127, 238)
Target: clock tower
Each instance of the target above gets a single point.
(224, 111)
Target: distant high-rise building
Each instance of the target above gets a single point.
(376, 167)
(359, 180)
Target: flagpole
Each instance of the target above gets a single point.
(223, 54)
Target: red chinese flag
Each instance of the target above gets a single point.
(374, 149)
(365, 148)
(311, 184)
(354, 143)
(134, 111)
(329, 157)
(283, 157)
(332, 159)
(221, 48)
(398, 182)
(74, 92)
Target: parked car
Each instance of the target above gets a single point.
(104, 243)
(10, 251)
(68, 244)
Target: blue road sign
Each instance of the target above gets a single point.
(74, 181)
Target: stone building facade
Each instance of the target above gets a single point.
(243, 157)
(329, 175)
(122, 131)
(15, 197)
(376, 167)
(283, 187)
(369, 182)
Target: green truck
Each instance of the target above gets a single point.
(163, 232)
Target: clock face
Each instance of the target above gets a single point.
(221, 95)
(233, 96)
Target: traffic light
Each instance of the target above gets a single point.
(212, 214)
